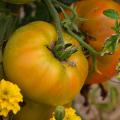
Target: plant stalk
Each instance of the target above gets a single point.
(56, 19)
(84, 44)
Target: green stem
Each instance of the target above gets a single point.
(64, 6)
(91, 50)
(94, 66)
(56, 19)
(83, 43)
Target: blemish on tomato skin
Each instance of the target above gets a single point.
(72, 63)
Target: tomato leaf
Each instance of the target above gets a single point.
(110, 45)
(113, 41)
(116, 28)
(111, 13)
(7, 25)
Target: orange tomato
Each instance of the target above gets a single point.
(98, 26)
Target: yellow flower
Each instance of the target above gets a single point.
(69, 115)
(10, 97)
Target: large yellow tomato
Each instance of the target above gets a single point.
(19, 1)
(29, 61)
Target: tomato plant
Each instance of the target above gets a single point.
(98, 27)
(28, 61)
(47, 60)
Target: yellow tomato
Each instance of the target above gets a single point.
(29, 61)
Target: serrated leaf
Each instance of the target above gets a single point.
(111, 13)
(110, 45)
(116, 28)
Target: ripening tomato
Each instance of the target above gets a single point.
(98, 26)
(19, 1)
(28, 60)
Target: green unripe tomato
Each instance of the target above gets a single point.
(19, 1)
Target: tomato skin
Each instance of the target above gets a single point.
(43, 78)
(19, 1)
(106, 66)
(98, 26)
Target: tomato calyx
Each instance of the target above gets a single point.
(63, 51)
